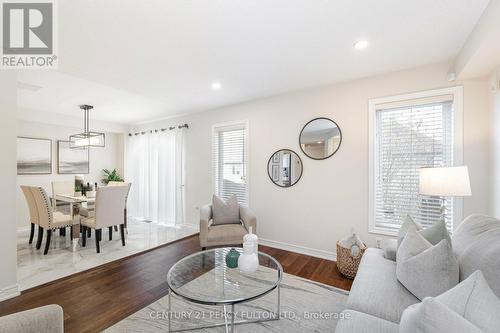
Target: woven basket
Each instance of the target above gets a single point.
(346, 263)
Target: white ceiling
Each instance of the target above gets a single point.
(143, 60)
(62, 93)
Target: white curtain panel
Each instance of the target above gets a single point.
(155, 164)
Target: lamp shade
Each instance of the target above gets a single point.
(445, 181)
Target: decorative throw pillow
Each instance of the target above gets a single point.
(408, 222)
(227, 212)
(426, 269)
(474, 300)
(431, 316)
(436, 232)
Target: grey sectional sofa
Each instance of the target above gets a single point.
(377, 300)
(45, 319)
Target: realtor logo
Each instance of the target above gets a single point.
(28, 35)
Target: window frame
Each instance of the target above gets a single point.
(227, 126)
(457, 92)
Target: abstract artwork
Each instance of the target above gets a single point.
(34, 156)
(71, 161)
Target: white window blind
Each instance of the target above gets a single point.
(411, 135)
(230, 161)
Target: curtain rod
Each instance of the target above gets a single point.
(160, 129)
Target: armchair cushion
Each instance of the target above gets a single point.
(229, 234)
(227, 212)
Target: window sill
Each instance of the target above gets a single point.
(383, 231)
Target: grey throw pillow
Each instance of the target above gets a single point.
(225, 212)
(474, 300)
(431, 316)
(435, 233)
(407, 224)
(426, 269)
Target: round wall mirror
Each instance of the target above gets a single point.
(284, 168)
(320, 138)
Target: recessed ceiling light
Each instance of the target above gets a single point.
(216, 85)
(361, 44)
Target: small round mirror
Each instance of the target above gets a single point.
(320, 138)
(284, 168)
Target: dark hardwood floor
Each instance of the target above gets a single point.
(100, 297)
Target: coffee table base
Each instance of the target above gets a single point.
(229, 324)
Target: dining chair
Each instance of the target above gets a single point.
(109, 211)
(115, 183)
(48, 219)
(62, 188)
(30, 200)
(66, 187)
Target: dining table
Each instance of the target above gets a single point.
(75, 203)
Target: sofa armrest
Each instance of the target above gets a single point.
(47, 319)
(248, 219)
(205, 221)
(390, 247)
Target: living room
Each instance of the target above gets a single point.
(355, 140)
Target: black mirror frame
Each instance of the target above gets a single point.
(269, 161)
(336, 150)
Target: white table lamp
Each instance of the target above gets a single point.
(445, 182)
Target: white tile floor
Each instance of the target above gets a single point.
(33, 268)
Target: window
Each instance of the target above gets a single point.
(230, 161)
(407, 133)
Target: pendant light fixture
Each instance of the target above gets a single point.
(88, 138)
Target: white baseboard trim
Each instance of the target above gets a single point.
(300, 249)
(9, 292)
(194, 227)
(23, 229)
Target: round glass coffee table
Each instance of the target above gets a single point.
(204, 278)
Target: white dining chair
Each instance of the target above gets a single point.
(65, 187)
(115, 183)
(109, 211)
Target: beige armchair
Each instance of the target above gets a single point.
(225, 234)
(109, 211)
(48, 219)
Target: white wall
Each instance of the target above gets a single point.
(332, 195)
(8, 247)
(100, 158)
(495, 147)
